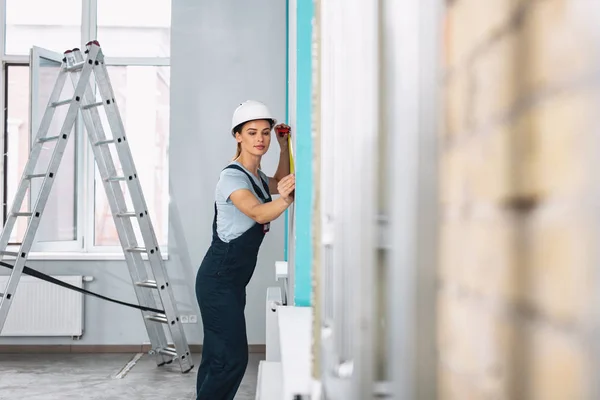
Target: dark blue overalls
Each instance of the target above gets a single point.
(221, 292)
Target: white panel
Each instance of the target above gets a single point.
(269, 386)
(281, 274)
(274, 300)
(411, 48)
(40, 308)
(295, 328)
(349, 154)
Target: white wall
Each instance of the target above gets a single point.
(222, 53)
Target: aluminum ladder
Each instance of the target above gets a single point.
(148, 285)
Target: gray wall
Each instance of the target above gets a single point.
(223, 52)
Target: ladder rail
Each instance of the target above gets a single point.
(139, 202)
(117, 203)
(123, 151)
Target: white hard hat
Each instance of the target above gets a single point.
(250, 110)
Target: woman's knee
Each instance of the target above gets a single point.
(239, 356)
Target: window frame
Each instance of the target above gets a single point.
(37, 53)
(84, 249)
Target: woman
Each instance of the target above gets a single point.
(243, 211)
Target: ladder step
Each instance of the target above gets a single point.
(147, 283)
(137, 250)
(107, 141)
(75, 67)
(116, 179)
(48, 139)
(22, 214)
(127, 214)
(9, 253)
(170, 351)
(35, 176)
(61, 103)
(158, 318)
(88, 106)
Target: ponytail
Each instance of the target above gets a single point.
(238, 151)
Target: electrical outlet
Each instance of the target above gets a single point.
(193, 319)
(184, 319)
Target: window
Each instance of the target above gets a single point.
(77, 218)
(52, 24)
(16, 138)
(146, 24)
(143, 99)
(58, 229)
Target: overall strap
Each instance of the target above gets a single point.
(259, 192)
(215, 235)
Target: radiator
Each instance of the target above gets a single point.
(40, 308)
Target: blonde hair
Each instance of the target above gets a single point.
(238, 152)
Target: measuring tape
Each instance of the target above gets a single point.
(292, 169)
(281, 132)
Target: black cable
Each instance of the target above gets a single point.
(47, 278)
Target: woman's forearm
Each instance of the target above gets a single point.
(267, 212)
(283, 168)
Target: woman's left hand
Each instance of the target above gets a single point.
(283, 138)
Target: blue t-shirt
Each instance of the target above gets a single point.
(231, 222)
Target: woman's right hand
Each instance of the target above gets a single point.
(286, 187)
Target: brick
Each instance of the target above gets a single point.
(495, 167)
(454, 340)
(454, 386)
(458, 41)
(490, 257)
(457, 96)
(458, 255)
(452, 169)
(558, 42)
(471, 24)
(562, 142)
(498, 77)
(519, 159)
(491, 166)
(559, 262)
(497, 383)
(451, 249)
(475, 345)
(524, 181)
(557, 366)
(465, 338)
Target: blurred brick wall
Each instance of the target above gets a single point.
(520, 207)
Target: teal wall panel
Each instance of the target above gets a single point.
(304, 155)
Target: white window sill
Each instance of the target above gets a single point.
(78, 256)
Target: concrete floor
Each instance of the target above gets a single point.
(93, 376)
